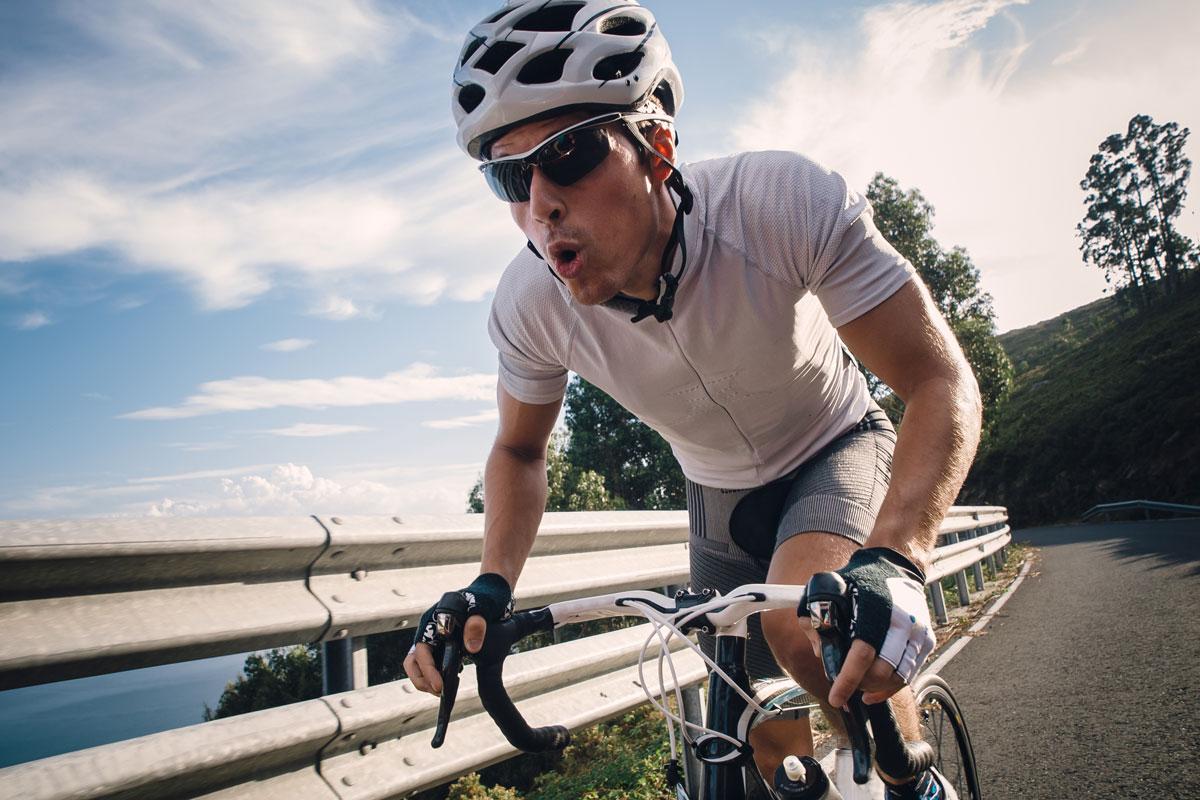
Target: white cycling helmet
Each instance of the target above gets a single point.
(536, 58)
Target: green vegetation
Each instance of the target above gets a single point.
(905, 218)
(618, 760)
(1136, 184)
(1103, 409)
(276, 678)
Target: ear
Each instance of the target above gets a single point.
(663, 142)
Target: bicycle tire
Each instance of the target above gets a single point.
(944, 729)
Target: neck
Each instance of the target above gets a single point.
(644, 285)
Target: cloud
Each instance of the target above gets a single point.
(198, 475)
(96, 396)
(463, 422)
(270, 489)
(32, 321)
(287, 345)
(337, 308)
(294, 489)
(202, 447)
(1067, 56)
(956, 99)
(419, 382)
(310, 429)
(238, 148)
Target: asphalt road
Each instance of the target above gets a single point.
(1085, 685)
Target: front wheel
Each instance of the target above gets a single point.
(943, 727)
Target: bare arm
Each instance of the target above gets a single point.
(515, 484)
(514, 498)
(906, 342)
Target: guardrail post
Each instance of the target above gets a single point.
(693, 711)
(960, 578)
(337, 666)
(359, 657)
(977, 567)
(939, 602)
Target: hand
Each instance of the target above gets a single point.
(488, 598)
(890, 628)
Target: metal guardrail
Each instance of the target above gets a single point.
(95, 596)
(1146, 506)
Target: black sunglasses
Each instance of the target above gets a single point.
(564, 157)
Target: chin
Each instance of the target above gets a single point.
(591, 295)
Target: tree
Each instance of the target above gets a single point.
(905, 218)
(635, 463)
(570, 486)
(475, 498)
(286, 675)
(1135, 187)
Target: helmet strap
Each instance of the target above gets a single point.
(662, 307)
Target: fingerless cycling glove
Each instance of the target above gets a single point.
(889, 611)
(489, 595)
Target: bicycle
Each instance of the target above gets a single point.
(734, 706)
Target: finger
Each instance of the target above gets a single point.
(883, 682)
(813, 639)
(858, 661)
(428, 670)
(473, 633)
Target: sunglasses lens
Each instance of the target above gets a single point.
(564, 159)
(565, 162)
(509, 180)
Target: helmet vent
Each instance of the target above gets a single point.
(623, 26)
(621, 65)
(544, 68)
(550, 18)
(470, 49)
(470, 96)
(497, 56)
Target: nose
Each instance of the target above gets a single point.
(545, 199)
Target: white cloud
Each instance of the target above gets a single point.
(1067, 56)
(464, 422)
(96, 396)
(202, 447)
(419, 382)
(198, 475)
(337, 308)
(288, 345)
(294, 489)
(129, 303)
(32, 321)
(235, 148)
(992, 137)
(312, 429)
(270, 489)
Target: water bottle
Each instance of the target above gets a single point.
(803, 779)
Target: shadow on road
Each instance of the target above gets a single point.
(1162, 543)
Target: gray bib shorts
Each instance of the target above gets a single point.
(839, 490)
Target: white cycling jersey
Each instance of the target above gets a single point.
(749, 378)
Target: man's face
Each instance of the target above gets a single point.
(599, 233)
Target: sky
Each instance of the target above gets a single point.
(245, 270)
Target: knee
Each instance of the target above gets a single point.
(793, 650)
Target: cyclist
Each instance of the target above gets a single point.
(720, 302)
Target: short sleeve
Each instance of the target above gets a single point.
(803, 225)
(864, 270)
(525, 326)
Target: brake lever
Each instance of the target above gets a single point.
(829, 609)
(449, 615)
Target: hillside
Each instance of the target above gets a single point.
(1104, 408)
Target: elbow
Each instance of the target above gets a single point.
(522, 454)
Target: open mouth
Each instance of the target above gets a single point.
(568, 262)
